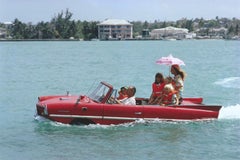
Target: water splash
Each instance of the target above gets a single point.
(230, 112)
(230, 82)
(40, 118)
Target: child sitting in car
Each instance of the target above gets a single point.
(169, 96)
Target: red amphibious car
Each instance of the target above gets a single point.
(98, 109)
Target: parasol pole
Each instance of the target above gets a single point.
(169, 70)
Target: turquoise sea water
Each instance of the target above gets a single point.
(31, 69)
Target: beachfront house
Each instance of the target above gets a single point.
(115, 29)
(218, 33)
(169, 32)
(3, 33)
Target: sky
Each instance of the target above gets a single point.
(132, 10)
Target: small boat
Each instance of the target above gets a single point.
(97, 108)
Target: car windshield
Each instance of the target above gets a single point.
(112, 97)
(99, 93)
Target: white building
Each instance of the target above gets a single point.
(169, 32)
(190, 35)
(3, 33)
(218, 32)
(115, 29)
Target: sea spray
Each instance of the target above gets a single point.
(229, 82)
(230, 112)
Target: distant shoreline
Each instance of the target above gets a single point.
(16, 40)
(70, 40)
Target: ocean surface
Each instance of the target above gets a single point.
(32, 69)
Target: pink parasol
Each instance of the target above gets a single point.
(170, 60)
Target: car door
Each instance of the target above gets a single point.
(88, 113)
(119, 113)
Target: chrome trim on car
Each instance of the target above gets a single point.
(120, 118)
(94, 117)
(74, 116)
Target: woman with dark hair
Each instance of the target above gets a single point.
(178, 80)
(157, 87)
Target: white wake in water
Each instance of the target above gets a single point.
(230, 82)
(230, 112)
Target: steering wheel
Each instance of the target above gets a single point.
(112, 100)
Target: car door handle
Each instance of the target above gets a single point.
(138, 113)
(84, 108)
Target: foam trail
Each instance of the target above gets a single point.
(230, 112)
(230, 82)
(40, 118)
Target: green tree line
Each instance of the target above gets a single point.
(63, 27)
(60, 27)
